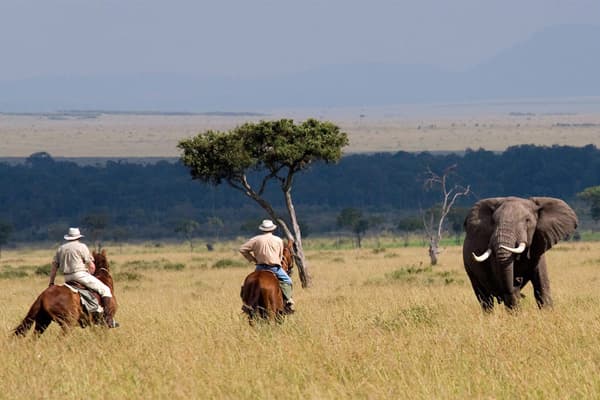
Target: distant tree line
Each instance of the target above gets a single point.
(124, 200)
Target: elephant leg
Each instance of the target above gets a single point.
(541, 284)
(485, 298)
(511, 300)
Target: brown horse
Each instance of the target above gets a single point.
(62, 305)
(261, 294)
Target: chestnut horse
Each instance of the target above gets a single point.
(261, 293)
(62, 305)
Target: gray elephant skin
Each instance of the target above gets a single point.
(505, 242)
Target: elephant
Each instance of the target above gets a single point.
(505, 242)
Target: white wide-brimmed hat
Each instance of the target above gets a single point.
(73, 234)
(267, 226)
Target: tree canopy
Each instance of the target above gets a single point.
(274, 151)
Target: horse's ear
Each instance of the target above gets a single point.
(104, 252)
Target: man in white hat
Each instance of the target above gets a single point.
(77, 264)
(266, 251)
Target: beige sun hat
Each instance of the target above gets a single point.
(267, 226)
(73, 234)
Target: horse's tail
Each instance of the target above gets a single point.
(250, 295)
(30, 318)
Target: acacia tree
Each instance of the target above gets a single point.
(273, 150)
(433, 220)
(353, 219)
(187, 228)
(408, 225)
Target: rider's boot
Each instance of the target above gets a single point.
(286, 289)
(109, 312)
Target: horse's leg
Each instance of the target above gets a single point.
(269, 304)
(24, 326)
(263, 303)
(65, 326)
(252, 317)
(42, 321)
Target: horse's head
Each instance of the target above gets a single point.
(103, 269)
(101, 261)
(287, 262)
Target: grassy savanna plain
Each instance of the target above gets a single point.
(377, 323)
(493, 126)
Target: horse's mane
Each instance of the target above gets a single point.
(100, 260)
(102, 268)
(287, 262)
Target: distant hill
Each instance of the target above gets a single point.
(562, 61)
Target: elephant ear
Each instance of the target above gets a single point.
(556, 221)
(479, 222)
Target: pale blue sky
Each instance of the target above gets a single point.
(243, 38)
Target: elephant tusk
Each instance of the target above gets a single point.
(482, 257)
(515, 250)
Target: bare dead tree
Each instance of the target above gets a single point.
(433, 228)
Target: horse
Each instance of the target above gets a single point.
(261, 294)
(62, 305)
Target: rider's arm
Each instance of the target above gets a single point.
(53, 273)
(246, 251)
(91, 267)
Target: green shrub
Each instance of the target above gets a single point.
(228, 263)
(13, 273)
(127, 276)
(406, 272)
(43, 270)
(174, 266)
(142, 264)
(426, 275)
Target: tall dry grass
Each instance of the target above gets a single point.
(376, 324)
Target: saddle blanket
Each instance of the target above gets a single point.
(88, 300)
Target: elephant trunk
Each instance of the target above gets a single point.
(507, 245)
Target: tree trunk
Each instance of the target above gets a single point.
(433, 250)
(305, 278)
(303, 270)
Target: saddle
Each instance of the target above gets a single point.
(90, 300)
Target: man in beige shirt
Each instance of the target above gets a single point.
(77, 264)
(266, 251)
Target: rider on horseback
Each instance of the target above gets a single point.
(77, 264)
(266, 251)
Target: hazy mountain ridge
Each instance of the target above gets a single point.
(561, 61)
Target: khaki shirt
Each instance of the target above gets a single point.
(73, 256)
(265, 248)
